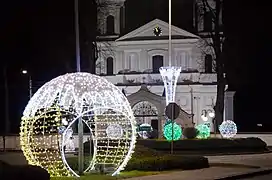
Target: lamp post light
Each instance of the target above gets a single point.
(24, 71)
(170, 74)
(78, 65)
(208, 114)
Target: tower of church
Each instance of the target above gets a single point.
(110, 17)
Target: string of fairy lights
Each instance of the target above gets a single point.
(56, 106)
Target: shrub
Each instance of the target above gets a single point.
(87, 145)
(167, 162)
(190, 132)
(73, 162)
(3, 169)
(28, 172)
(142, 151)
(220, 145)
(147, 159)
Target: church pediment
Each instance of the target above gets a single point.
(146, 32)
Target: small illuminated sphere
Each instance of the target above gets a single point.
(228, 129)
(46, 126)
(203, 131)
(61, 129)
(211, 114)
(167, 131)
(114, 131)
(204, 118)
(64, 122)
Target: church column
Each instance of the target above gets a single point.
(143, 61)
(125, 62)
(117, 20)
(190, 59)
(197, 110)
(117, 62)
(229, 105)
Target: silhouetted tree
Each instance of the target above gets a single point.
(215, 42)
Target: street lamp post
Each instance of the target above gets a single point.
(29, 82)
(80, 123)
(170, 75)
(7, 123)
(208, 114)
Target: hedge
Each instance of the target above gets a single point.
(167, 162)
(252, 144)
(29, 172)
(146, 159)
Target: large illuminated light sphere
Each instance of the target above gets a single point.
(47, 122)
(228, 129)
(167, 131)
(203, 131)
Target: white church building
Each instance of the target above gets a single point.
(132, 61)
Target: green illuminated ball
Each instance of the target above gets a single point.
(203, 131)
(167, 131)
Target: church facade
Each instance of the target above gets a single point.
(131, 61)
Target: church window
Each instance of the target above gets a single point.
(144, 112)
(208, 63)
(109, 66)
(208, 21)
(184, 60)
(110, 25)
(157, 62)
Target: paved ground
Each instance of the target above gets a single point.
(265, 177)
(201, 174)
(262, 160)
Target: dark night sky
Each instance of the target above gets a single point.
(39, 36)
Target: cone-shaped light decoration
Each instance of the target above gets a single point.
(170, 77)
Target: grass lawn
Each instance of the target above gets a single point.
(123, 175)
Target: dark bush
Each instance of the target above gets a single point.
(87, 145)
(154, 134)
(4, 167)
(142, 151)
(167, 162)
(190, 132)
(28, 172)
(73, 162)
(221, 145)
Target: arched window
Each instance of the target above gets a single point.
(208, 63)
(208, 25)
(110, 25)
(109, 66)
(157, 62)
(144, 112)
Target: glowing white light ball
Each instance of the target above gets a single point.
(60, 103)
(228, 129)
(204, 118)
(211, 114)
(114, 131)
(64, 122)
